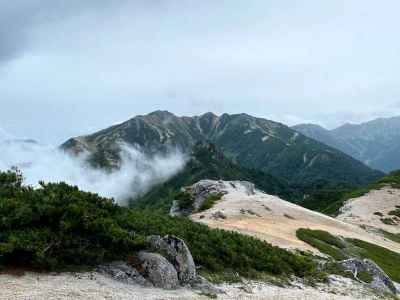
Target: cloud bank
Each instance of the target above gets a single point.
(136, 175)
(82, 65)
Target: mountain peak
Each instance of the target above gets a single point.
(161, 113)
(255, 143)
(209, 114)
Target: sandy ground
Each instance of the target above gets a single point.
(94, 286)
(360, 211)
(276, 221)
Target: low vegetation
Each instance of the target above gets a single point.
(392, 180)
(324, 242)
(185, 200)
(208, 162)
(395, 237)
(57, 226)
(388, 221)
(395, 212)
(340, 249)
(210, 201)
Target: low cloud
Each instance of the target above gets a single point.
(137, 174)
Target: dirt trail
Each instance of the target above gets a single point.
(94, 286)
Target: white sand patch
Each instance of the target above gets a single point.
(276, 221)
(361, 211)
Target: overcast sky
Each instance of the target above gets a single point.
(71, 67)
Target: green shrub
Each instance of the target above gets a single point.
(57, 226)
(323, 241)
(388, 221)
(185, 200)
(388, 260)
(395, 212)
(210, 201)
(365, 277)
(395, 237)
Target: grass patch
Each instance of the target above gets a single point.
(365, 277)
(210, 201)
(388, 221)
(395, 237)
(388, 260)
(340, 249)
(395, 212)
(323, 241)
(208, 295)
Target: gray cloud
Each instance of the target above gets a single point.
(70, 67)
(137, 173)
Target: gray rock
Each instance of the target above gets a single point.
(204, 286)
(380, 280)
(158, 270)
(177, 253)
(219, 215)
(199, 191)
(122, 272)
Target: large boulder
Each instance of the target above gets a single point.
(379, 279)
(123, 272)
(158, 270)
(204, 188)
(177, 253)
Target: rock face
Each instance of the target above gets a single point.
(177, 253)
(380, 281)
(158, 270)
(123, 272)
(204, 188)
(170, 266)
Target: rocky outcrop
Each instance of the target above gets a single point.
(123, 272)
(158, 270)
(379, 279)
(177, 253)
(169, 265)
(204, 188)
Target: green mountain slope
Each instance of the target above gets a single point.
(376, 143)
(207, 162)
(251, 142)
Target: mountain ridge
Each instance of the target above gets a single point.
(252, 142)
(375, 143)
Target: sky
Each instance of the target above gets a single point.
(72, 67)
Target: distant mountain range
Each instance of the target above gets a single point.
(376, 143)
(253, 143)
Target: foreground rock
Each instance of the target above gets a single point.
(380, 281)
(177, 253)
(123, 272)
(158, 270)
